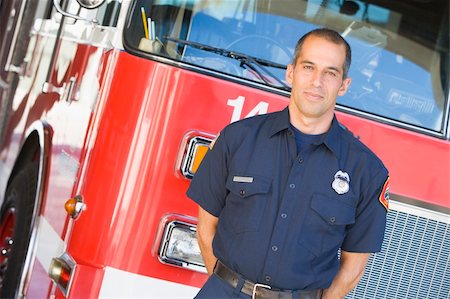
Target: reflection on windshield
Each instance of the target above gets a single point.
(257, 65)
(400, 48)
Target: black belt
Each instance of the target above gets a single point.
(258, 290)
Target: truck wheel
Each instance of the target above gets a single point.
(15, 228)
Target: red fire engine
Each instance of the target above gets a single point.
(108, 107)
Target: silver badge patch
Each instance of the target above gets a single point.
(341, 183)
(243, 179)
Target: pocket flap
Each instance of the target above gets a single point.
(245, 185)
(332, 211)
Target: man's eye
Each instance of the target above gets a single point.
(307, 67)
(331, 74)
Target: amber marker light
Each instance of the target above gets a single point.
(199, 154)
(74, 206)
(196, 149)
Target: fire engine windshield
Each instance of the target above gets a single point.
(399, 48)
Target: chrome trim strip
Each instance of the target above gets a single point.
(14, 39)
(43, 130)
(419, 211)
(389, 121)
(419, 203)
(447, 116)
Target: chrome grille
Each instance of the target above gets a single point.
(415, 258)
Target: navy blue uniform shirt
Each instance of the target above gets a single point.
(283, 216)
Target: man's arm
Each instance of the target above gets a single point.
(206, 229)
(350, 272)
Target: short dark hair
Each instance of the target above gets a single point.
(330, 35)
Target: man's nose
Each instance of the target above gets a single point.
(317, 78)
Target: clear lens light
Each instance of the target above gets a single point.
(183, 246)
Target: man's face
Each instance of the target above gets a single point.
(317, 79)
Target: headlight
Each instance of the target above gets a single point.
(179, 246)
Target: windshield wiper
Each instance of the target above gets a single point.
(248, 61)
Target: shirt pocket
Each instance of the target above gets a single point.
(246, 201)
(325, 224)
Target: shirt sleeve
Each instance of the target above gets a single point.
(367, 233)
(207, 187)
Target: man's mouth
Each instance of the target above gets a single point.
(313, 95)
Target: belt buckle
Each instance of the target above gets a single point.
(259, 285)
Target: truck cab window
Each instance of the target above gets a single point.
(108, 13)
(400, 49)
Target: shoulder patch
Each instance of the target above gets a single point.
(384, 195)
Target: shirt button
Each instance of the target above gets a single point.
(242, 192)
(292, 186)
(333, 219)
(300, 160)
(274, 248)
(284, 215)
(267, 278)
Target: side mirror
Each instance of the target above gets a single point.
(83, 3)
(349, 7)
(90, 4)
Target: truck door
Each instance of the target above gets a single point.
(68, 97)
(57, 85)
(16, 20)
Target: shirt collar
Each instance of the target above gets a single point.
(331, 139)
(280, 122)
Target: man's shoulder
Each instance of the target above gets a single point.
(249, 129)
(252, 123)
(357, 147)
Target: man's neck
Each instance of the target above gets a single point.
(310, 125)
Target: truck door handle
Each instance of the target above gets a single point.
(65, 91)
(20, 70)
(50, 88)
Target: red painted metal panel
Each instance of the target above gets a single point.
(419, 165)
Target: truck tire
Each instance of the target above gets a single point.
(15, 228)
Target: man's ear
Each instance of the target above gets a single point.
(344, 86)
(290, 73)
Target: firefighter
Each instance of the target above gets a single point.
(291, 204)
